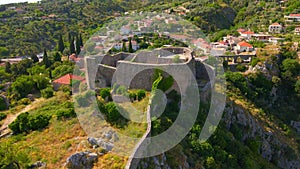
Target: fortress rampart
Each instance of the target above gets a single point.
(137, 70)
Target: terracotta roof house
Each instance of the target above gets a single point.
(275, 28)
(66, 80)
(247, 34)
(244, 47)
(262, 37)
(292, 18)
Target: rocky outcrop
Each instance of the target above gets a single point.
(82, 160)
(273, 148)
(98, 142)
(106, 142)
(38, 165)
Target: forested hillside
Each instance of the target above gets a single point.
(27, 29)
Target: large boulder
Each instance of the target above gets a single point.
(82, 160)
(98, 142)
(39, 165)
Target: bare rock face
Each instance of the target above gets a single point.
(272, 147)
(82, 160)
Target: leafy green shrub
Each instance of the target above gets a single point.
(254, 61)
(132, 96)
(65, 114)
(24, 101)
(38, 121)
(105, 93)
(241, 68)
(11, 156)
(22, 86)
(141, 94)
(2, 104)
(26, 123)
(2, 116)
(66, 89)
(291, 65)
(47, 93)
(20, 125)
(121, 90)
(112, 113)
(260, 84)
(238, 80)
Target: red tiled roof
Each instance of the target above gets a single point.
(295, 15)
(222, 42)
(66, 79)
(245, 44)
(276, 24)
(241, 30)
(248, 33)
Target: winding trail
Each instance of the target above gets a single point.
(4, 130)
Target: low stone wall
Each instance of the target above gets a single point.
(132, 162)
(111, 60)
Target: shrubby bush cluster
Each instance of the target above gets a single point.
(48, 92)
(26, 122)
(2, 116)
(65, 113)
(2, 104)
(84, 100)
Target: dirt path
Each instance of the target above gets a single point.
(4, 130)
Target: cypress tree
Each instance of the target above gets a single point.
(80, 40)
(69, 37)
(46, 60)
(57, 57)
(34, 58)
(77, 45)
(61, 45)
(7, 67)
(130, 50)
(124, 47)
(72, 47)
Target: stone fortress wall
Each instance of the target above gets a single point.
(137, 70)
